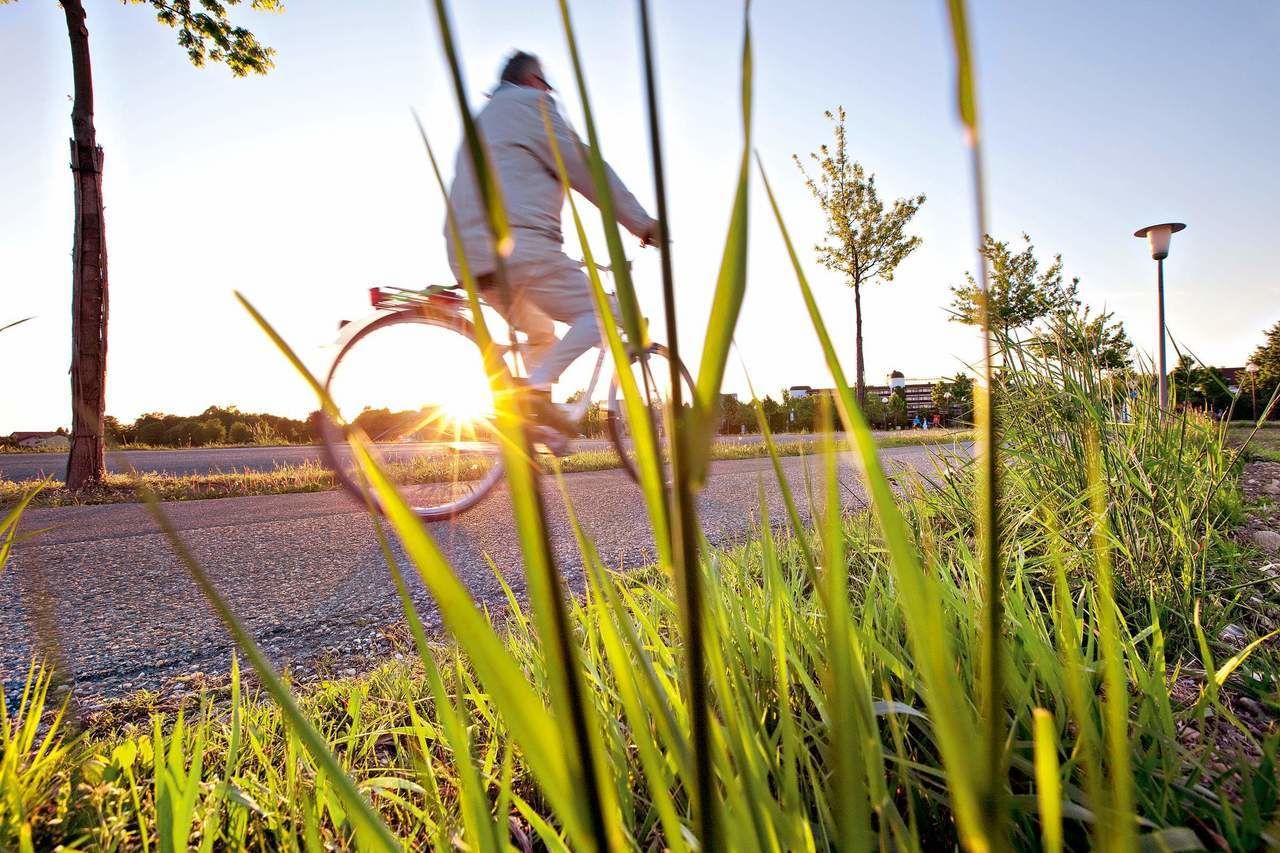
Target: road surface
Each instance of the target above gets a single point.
(304, 572)
(209, 460)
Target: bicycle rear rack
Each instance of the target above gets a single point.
(440, 295)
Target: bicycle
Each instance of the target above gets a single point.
(440, 441)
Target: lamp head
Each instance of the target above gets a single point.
(1158, 237)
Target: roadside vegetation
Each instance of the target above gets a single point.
(1131, 642)
(1055, 644)
(315, 477)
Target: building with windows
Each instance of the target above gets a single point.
(919, 394)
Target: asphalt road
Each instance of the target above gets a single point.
(202, 460)
(102, 587)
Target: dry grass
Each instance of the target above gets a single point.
(313, 477)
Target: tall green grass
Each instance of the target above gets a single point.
(1005, 654)
(826, 735)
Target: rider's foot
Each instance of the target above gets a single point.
(555, 442)
(539, 408)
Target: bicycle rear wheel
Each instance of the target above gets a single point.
(414, 383)
(653, 379)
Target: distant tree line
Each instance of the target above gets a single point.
(215, 425)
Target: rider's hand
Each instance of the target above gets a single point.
(651, 234)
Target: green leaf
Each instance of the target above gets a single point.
(1048, 781)
(370, 829)
(954, 726)
(731, 288)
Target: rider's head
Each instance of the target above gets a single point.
(524, 69)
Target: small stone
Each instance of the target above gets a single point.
(1233, 635)
(1267, 540)
(1272, 488)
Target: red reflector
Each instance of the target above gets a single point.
(375, 296)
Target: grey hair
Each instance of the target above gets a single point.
(518, 65)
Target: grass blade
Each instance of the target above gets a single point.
(731, 282)
(1119, 806)
(953, 722)
(648, 454)
(370, 829)
(586, 765)
(1048, 783)
(987, 485)
(844, 687)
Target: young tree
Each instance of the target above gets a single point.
(1199, 386)
(940, 397)
(864, 241)
(775, 413)
(874, 411)
(207, 35)
(1020, 294)
(962, 396)
(898, 407)
(1076, 332)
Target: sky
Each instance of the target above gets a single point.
(304, 187)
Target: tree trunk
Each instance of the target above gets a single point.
(861, 380)
(88, 270)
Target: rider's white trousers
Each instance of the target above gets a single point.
(546, 285)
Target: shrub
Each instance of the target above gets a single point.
(209, 431)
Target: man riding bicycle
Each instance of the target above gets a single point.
(543, 283)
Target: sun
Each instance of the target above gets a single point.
(465, 402)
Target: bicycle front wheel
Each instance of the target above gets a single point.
(414, 384)
(653, 380)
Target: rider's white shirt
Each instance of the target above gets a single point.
(513, 129)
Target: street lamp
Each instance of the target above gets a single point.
(1158, 237)
(1252, 370)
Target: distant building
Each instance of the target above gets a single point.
(799, 392)
(42, 440)
(1233, 375)
(919, 394)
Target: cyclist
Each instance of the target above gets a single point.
(544, 284)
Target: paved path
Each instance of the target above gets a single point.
(208, 460)
(304, 571)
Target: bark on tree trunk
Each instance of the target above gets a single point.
(861, 381)
(88, 270)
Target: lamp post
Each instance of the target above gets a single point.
(1252, 370)
(1158, 237)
